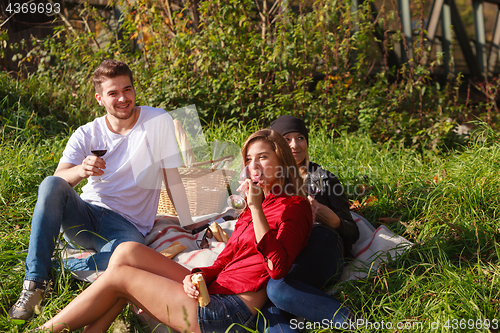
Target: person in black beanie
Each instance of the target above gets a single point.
(288, 124)
(322, 260)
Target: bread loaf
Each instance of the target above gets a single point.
(218, 232)
(173, 250)
(185, 147)
(199, 282)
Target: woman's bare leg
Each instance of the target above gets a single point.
(142, 257)
(160, 292)
(105, 321)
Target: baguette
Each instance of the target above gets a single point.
(218, 232)
(185, 147)
(199, 282)
(173, 250)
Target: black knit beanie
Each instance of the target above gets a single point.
(286, 124)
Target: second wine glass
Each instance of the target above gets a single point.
(314, 184)
(237, 201)
(99, 147)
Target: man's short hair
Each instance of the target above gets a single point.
(108, 69)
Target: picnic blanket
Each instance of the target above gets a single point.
(374, 247)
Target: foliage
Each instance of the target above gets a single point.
(240, 60)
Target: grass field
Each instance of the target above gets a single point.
(447, 204)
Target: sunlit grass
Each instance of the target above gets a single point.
(448, 205)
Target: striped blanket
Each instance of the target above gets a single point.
(374, 246)
(165, 232)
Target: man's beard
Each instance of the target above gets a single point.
(121, 116)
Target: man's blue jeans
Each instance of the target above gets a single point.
(299, 292)
(60, 208)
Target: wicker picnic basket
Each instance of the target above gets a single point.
(206, 190)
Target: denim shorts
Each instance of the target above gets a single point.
(222, 312)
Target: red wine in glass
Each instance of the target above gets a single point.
(99, 153)
(313, 189)
(99, 147)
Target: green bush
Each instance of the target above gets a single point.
(239, 60)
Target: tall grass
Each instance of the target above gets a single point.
(447, 204)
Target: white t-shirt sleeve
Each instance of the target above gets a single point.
(75, 150)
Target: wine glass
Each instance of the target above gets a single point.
(237, 201)
(314, 184)
(99, 147)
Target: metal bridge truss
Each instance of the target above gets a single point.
(481, 63)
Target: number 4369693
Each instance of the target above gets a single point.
(33, 7)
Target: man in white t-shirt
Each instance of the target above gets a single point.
(141, 150)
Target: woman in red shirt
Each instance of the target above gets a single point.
(268, 236)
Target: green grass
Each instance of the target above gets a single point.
(447, 204)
